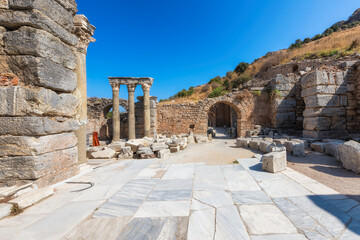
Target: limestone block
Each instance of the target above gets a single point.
(282, 83)
(32, 197)
(254, 144)
(16, 19)
(298, 149)
(201, 139)
(39, 43)
(285, 119)
(69, 5)
(50, 8)
(4, 4)
(289, 146)
(322, 101)
(183, 146)
(325, 134)
(274, 162)
(325, 112)
(134, 144)
(22, 101)
(5, 208)
(242, 142)
(265, 146)
(159, 146)
(285, 103)
(40, 72)
(280, 141)
(126, 153)
(277, 148)
(317, 123)
(174, 149)
(35, 167)
(35, 126)
(322, 89)
(317, 78)
(340, 78)
(116, 146)
(191, 139)
(144, 150)
(332, 148)
(349, 154)
(163, 153)
(31, 146)
(104, 153)
(318, 147)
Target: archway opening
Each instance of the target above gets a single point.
(222, 121)
(106, 131)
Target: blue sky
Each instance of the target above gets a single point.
(186, 43)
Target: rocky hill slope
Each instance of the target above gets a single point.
(340, 41)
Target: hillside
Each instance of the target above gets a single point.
(339, 41)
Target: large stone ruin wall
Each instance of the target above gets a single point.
(97, 121)
(318, 102)
(193, 117)
(38, 82)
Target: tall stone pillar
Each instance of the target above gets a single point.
(131, 111)
(84, 31)
(146, 89)
(116, 112)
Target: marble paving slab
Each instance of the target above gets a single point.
(280, 237)
(229, 225)
(214, 198)
(174, 184)
(250, 197)
(180, 172)
(283, 188)
(210, 184)
(265, 219)
(170, 195)
(206, 172)
(241, 181)
(202, 225)
(163, 209)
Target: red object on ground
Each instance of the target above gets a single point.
(95, 139)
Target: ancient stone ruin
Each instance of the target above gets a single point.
(42, 90)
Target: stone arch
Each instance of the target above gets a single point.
(233, 103)
(122, 102)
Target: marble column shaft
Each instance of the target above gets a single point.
(116, 113)
(131, 111)
(146, 89)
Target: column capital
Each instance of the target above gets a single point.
(84, 31)
(115, 86)
(146, 87)
(131, 87)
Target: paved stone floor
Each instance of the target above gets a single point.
(150, 199)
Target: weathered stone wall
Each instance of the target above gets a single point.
(353, 99)
(38, 107)
(186, 117)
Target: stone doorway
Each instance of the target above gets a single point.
(223, 118)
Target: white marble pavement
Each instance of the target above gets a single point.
(150, 199)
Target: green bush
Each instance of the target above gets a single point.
(329, 53)
(217, 92)
(215, 80)
(307, 40)
(226, 84)
(109, 115)
(241, 67)
(317, 37)
(243, 78)
(328, 32)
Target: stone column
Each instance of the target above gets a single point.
(146, 89)
(116, 112)
(131, 111)
(84, 30)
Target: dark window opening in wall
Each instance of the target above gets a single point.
(192, 126)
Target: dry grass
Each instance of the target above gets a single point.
(340, 41)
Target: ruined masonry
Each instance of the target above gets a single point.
(43, 111)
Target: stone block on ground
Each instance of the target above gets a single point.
(274, 162)
(32, 197)
(163, 153)
(104, 153)
(191, 139)
(298, 148)
(349, 154)
(183, 146)
(254, 144)
(201, 139)
(332, 148)
(277, 148)
(174, 149)
(116, 146)
(145, 153)
(5, 209)
(134, 144)
(280, 141)
(242, 142)
(159, 146)
(289, 146)
(265, 146)
(318, 147)
(126, 153)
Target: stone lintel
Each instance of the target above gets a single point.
(131, 80)
(84, 30)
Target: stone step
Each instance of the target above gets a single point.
(32, 197)
(5, 210)
(10, 191)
